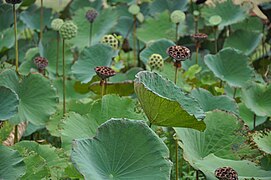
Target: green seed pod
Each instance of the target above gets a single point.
(156, 61)
(215, 20)
(68, 30)
(56, 24)
(177, 16)
(110, 40)
(140, 17)
(134, 9)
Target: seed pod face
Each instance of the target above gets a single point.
(56, 24)
(41, 63)
(179, 53)
(156, 61)
(226, 173)
(13, 1)
(68, 30)
(91, 15)
(134, 9)
(199, 36)
(104, 72)
(111, 41)
(177, 16)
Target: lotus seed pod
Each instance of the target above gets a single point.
(13, 1)
(104, 72)
(140, 17)
(196, 13)
(156, 61)
(41, 62)
(91, 15)
(68, 30)
(111, 41)
(199, 36)
(56, 24)
(215, 20)
(134, 9)
(126, 45)
(226, 173)
(179, 53)
(177, 16)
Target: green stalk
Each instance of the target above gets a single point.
(103, 87)
(16, 40)
(41, 19)
(57, 54)
(254, 121)
(177, 34)
(176, 159)
(90, 33)
(234, 92)
(64, 77)
(196, 25)
(176, 74)
(197, 51)
(197, 174)
(134, 42)
(215, 32)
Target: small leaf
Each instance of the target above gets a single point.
(165, 104)
(11, 164)
(209, 102)
(9, 102)
(257, 97)
(231, 66)
(135, 153)
(263, 141)
(91, 57)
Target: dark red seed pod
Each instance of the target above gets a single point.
(179, 53)
(199, 36)
(226, 173)
(126, 45)
(13, 1)
(91, 15)
(104, 72)
(41, 62)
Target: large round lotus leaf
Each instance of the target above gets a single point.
(37, 97)
(165, 104)
(156, 28)
(11, 164)
(159, 6)
(6, 17)
(224, 136)
(252, 23)
(82, 126)
(245, 169)
(122, 149)
(55, 158)
(257, 97)
(91, 57)
(229, 12)
(245, 41)
(263, 141)
(209, 102)
(231, 66)
(31, 17)
(8, 103)
(125, 88)
(156, 47)
(248, 116)
(101, 26)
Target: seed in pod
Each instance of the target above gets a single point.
(104, 72)
(156, 61)
(13, 1)
(111, 41)
(91, 15)
(199, 36)
(68, 30)
(56, 24)
(41, 63)
(226, 173)
(179, 53)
